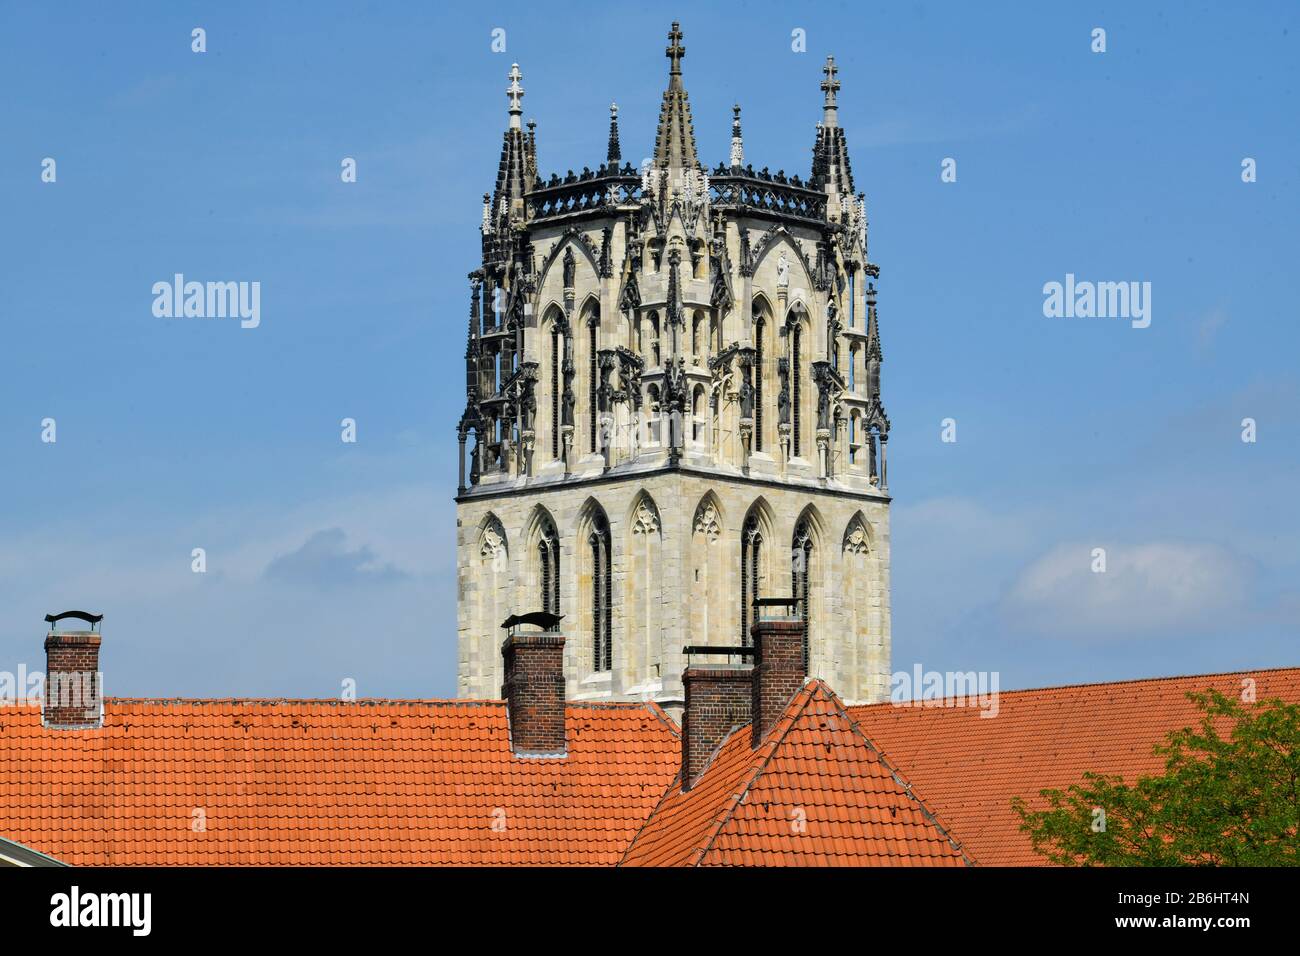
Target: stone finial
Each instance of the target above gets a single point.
(675, 50)
(516, 93)
(830, 86)
(737, 144)
(615, 152)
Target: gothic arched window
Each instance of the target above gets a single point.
(856, 591)
(698, 412)
(796, 377)
(708, 582)
(751, 546)
(801, 551)
(641, 651)
(601, 594)
(653, 414)
(759, 325)
(493, 584)
(592, 376)
(548, 562)
(557, 343)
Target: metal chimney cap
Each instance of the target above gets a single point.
(544, 620)
(91, 619)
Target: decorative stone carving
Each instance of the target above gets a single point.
(645, 521)
(706, 522)
(493, 547)
(855, 541)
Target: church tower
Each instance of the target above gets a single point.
(673, 407)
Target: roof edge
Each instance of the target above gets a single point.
(936, 701)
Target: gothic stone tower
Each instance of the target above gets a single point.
(673, 395)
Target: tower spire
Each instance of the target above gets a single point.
(615, 153)
(511, 174)
(831, 170)
(737, 144)
(675, 139)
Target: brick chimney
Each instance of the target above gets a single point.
(534, 684)
(73, 683)
(779, 671)
(717, 701)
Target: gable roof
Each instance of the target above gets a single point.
(327, 782)
(969, 767)
(815, 792)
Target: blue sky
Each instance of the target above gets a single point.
(329, 561)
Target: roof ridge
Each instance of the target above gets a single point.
(899, 777)
(936, 701)
(430, 701)
(300, 700)
(788, 718)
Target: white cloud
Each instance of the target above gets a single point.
(1208, 327)
(325, 561)
(1168, 587)
(284, 608)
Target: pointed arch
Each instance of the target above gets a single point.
(807, 563)
(492, 602)
(578, 240)
(756, 537)
(589, 306)
(859, 591)
(771, 243)
(708, 516)
(553, 332)
(542, 539)
(816, 523)
(595, 589)
(799, 344)
(641, 650)
(648, 343)
(643, 514)
(764, 357)
(857, 537)
(708, 580)
(700, 346)
(700, 417)
(587, 339)
(797, 312)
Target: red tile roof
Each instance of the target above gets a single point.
(317, 782)
(969, 767)
(816, 792)
(311, 782)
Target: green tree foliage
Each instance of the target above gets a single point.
(1229, 800)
